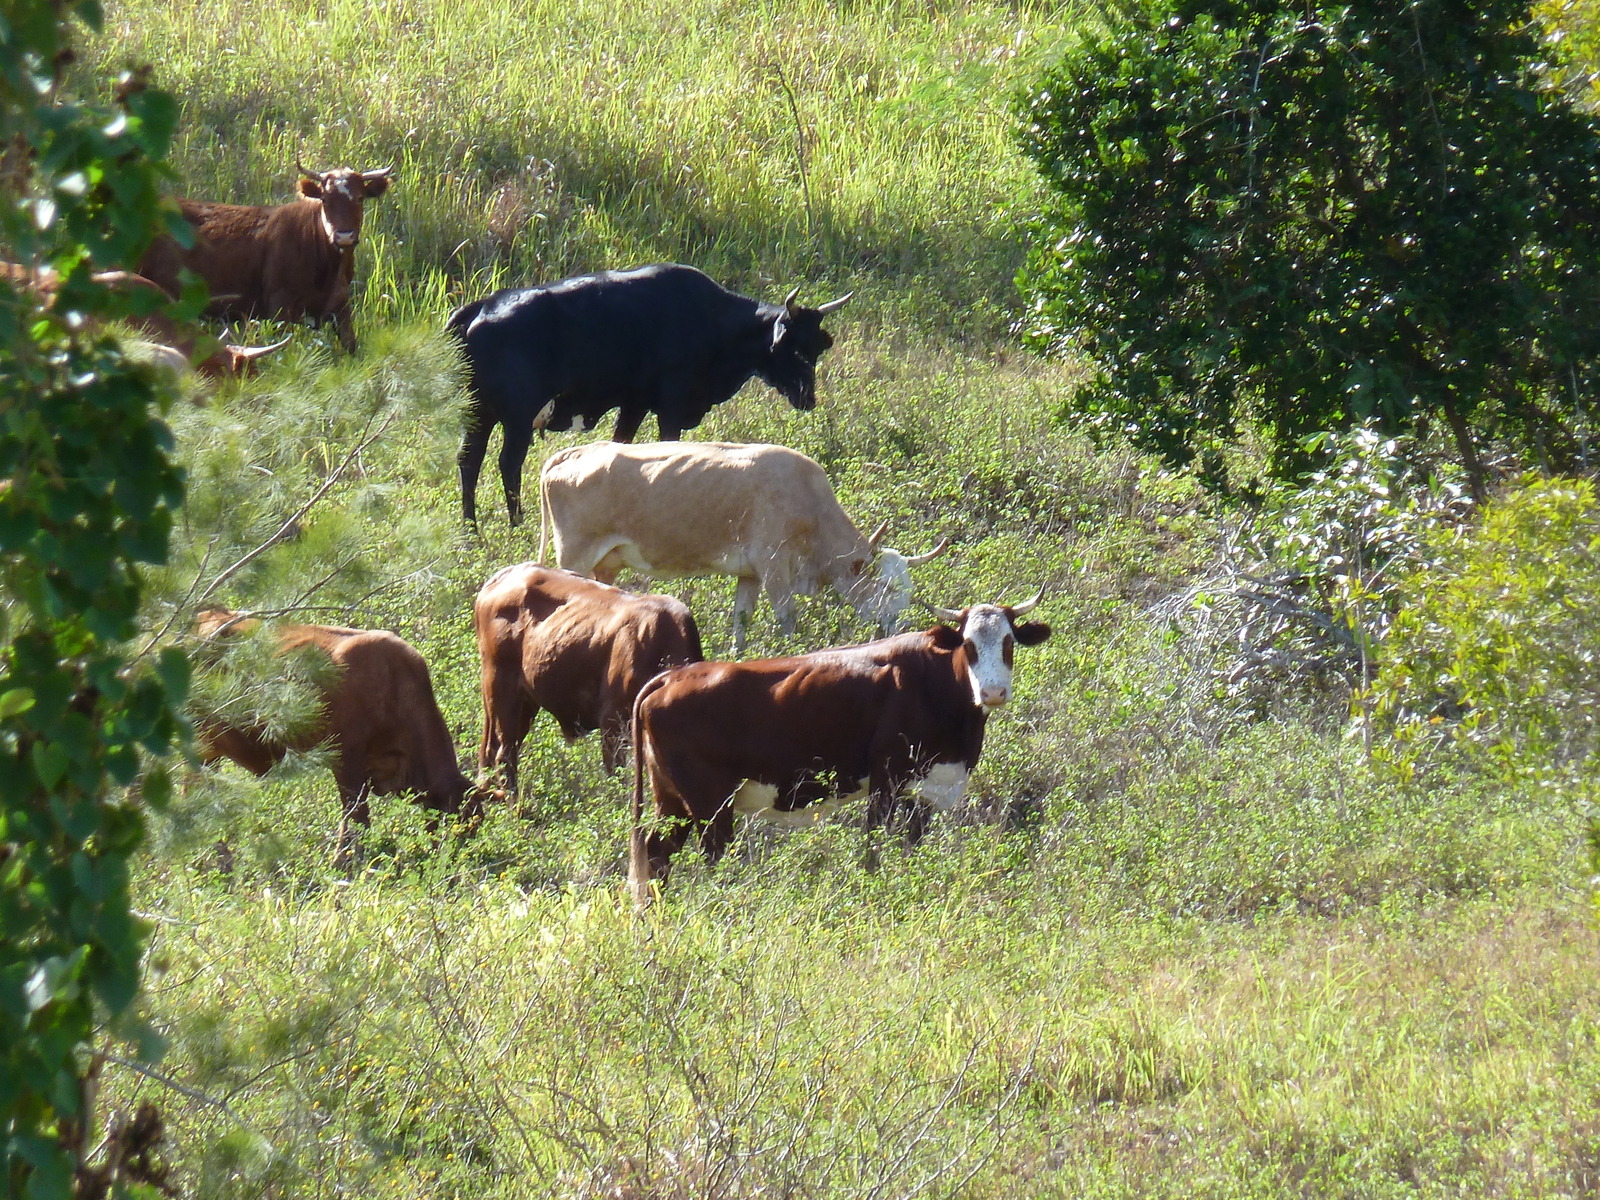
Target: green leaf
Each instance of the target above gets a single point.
(50, 762)
(15, 702)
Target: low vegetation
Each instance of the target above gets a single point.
(1207, 928)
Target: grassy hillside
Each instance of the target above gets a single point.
(1172, 948)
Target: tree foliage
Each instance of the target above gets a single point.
(1500, 633)
(87, 489)
(1312, 215)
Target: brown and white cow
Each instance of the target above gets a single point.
(171, 344)
(292, 261)
(578, 649)
(764, 514)
(379, 718)
(900, 721)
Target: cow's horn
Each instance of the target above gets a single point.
(944, 614)
(916, 560)
(251, 352)
(381, 173)
(1027, 606)
(835, 305)
(303, 171)
(788, 301)
(877, 536)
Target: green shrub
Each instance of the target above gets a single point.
(1497, 642)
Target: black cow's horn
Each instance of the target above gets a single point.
(835, 305)
(877, 536)
(916, 560)
(1027, 606)
(788, 301)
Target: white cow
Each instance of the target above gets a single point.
(764, 514)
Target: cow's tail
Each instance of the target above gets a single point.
(544, 511)
(544, 498)
(638, 850)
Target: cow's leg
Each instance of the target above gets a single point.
(613, 739)
(507, 717)
(660, 844)
(344, 326)
(745, 595)
(353, 807)
(474, 445)
(717, 834)
(628, 422)
(514, 442)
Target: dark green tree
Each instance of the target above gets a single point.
(1309, 215)
(86, 494)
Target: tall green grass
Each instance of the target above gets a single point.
(835, 146)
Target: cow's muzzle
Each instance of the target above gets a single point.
(344, 238)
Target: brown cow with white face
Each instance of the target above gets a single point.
(578, 649)
(900, 721)
(292, 261)
(379, 718)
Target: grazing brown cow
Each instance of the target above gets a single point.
(900, 720)
(293, 261)
(379, 718)
(580, 650)
(172, 344)
(764, 514)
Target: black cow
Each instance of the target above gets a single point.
(662, 339)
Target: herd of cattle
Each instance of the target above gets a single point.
(899, 721)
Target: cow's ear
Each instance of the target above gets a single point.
(311, 189)
(780, 330)
(945, 638)
(1030, 633)
(375, 187)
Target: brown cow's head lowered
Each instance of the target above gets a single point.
(342, 192)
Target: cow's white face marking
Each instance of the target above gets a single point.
(884, 589)
(542, 418)
(944, 786)
(989, 645)
(328, 229)
(756, 799)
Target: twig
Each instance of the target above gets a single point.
(293, 523)
(151, 1073)
(799, 145)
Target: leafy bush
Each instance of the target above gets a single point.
(1311, 215)
(87, 494)
(1500, 632)
(1304, 590)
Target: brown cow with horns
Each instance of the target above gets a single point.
(580, 650)
(899, 720)
(292, 261)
